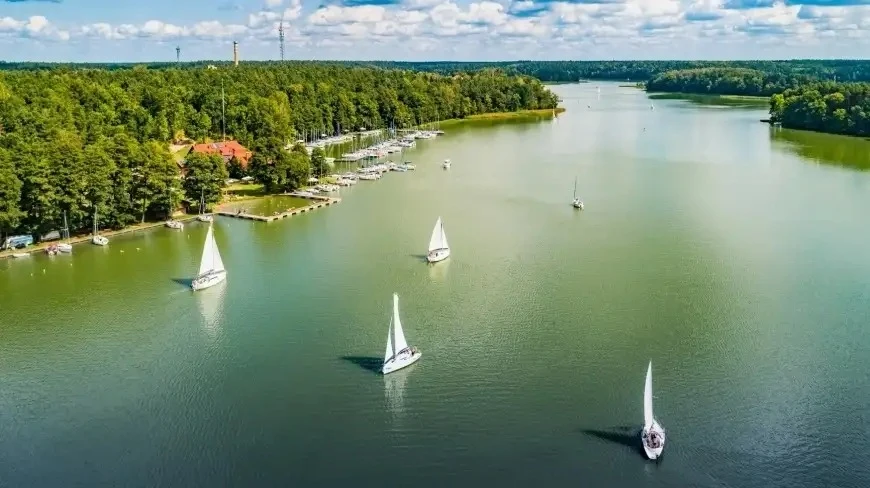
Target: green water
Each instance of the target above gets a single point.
(267, 206)
(708, 245)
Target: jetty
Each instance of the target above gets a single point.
(317, 202)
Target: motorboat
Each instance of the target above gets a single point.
(174, 224)
(446, 164)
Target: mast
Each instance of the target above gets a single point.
(223, 115)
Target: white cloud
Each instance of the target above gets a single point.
(480, 29)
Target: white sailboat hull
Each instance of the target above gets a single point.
(438, 255)
(64, 247)
(403, 360)
(99, 241)
(578, 204)
(205, 218)
(653, 452)
(207, 280)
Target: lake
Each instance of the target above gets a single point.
(732, 255)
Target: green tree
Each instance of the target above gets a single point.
(206, 176)
(10, 193)
(318, 162)
(235, 169)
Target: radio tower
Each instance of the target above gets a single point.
(177, 54)
(281, 37)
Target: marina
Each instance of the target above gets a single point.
(539, 330)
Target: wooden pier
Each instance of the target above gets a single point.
(320, 202)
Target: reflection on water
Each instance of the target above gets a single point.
(851, 152)
(394, 391)
(438, 271)
(210, 302)
(714, 100)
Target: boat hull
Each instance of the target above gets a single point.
(205, 218)
(209, 280)
(397, 364)
(100, 241)
(438, 255)
(67, 248)
(651, 452)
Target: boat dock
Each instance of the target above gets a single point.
(319, 202)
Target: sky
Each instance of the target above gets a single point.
(414, 30)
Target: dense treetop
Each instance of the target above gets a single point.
(840, 108)
(83, 140)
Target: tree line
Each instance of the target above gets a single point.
(96, 141)
(547, 71)
(725, 81)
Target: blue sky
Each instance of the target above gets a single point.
(149, 30)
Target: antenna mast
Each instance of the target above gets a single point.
(177, 54)
(281, 36)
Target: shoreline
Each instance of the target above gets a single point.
(87, 238)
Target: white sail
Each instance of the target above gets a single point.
(217, 262)
(399, 341)
(647, 399)
(390, 352)
(435, 240)
(211, 257)
(444, 237)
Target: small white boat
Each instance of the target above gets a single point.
(399, 355)
(652, 435)
(446, 164)
(66, 246)
(98, 239)
(20, 254)
(439, 250)
(203, 217)
(577, 203)
(174, 224)
(211, 267)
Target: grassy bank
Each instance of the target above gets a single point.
(498, 116)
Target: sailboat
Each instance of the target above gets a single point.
(172, 223)
(446, 164)
(203, 217)
(65, 246)
(98, 239)
(211, 268)
(439, 250)
(652, 435)
(398, 354)
(577, 202)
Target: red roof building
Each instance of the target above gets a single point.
(227, 150)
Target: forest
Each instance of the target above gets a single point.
(80, 141)
(839, 108)
(725, 81)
